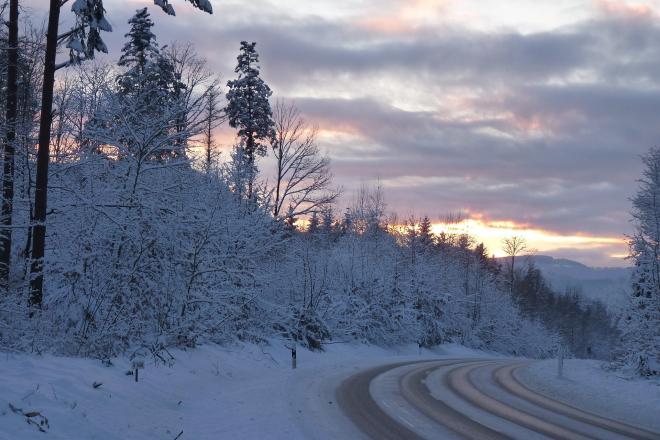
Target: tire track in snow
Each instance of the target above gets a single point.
(506, 378)
(503, 408)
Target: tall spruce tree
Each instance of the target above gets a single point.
(641, 323)
(150, 79)
(141, 46)
(248, 108)
(425, 233)
(146, 68)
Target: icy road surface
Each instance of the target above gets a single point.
(466, 398)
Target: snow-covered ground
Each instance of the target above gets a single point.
(211, 392)
(247, 392)
(585, 384)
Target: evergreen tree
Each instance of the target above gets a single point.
(141, 46)
(425, 233)
(150, 84)
(146, 68)
(327, 222)
(313, 226)
(412, 239)
(248, 108)
(641, 323)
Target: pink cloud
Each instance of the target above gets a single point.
(636, 10)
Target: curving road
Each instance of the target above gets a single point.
(466, 398)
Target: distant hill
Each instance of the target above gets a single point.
(609, 285)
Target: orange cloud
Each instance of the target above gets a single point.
(626, 8)
(406, 16)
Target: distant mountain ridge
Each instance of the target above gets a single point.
(610, 285)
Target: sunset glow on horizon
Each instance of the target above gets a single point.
(492, 233)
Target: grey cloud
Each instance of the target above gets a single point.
(592, 87)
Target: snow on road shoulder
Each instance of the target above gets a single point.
(247, 392)
(585, 384)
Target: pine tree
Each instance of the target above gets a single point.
(248, 108)
(146, 68)
(141, 46)
(412, 239)
(641, 323)
(425, 234)
(150, 81)
(327, 222)
(313, 226)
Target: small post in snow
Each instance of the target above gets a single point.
(293, 355)
(138, 363)
(560, 362)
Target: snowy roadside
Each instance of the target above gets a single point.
(588, 386)
(212, 392)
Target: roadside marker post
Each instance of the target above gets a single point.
(138, 363)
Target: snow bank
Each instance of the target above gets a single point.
(213, 392)
(587, 385)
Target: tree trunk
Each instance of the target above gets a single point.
(209, 130)
(512, 275)
(276, 210)
(250, 153)
(43, 153)
(10, 136)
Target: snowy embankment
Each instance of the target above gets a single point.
(210, 393)
(586, 385)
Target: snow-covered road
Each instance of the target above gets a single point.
(466, 398)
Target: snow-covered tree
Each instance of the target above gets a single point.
(83, 40)
(204, 5)
(152, 88)
(141, 46)
(641, 321)
(425, 233)
(248, 108)
(146, 67)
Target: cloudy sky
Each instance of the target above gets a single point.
(527, 116)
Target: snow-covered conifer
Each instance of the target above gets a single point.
(141, 45)
(641, 322)
(425, 233)
(248, 108)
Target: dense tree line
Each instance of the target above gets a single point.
(586, 328)
(147, 244)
